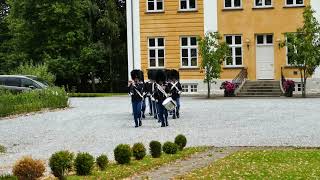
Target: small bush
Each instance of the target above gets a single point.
(102, 162)
(84, 163)
(8, 177)
(139, 151)
(170, 148)
(181, 141)
(60, 163)
(155, 149)
(28, 169)
(2, 149)
(122, 154)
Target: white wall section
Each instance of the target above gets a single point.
(133, 35)
(315, 4)
(211, 15)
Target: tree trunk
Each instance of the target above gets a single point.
(304, 93)
(93, 82)
(302, 84)
(208, 90)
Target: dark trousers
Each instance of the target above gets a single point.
(143, 106)
(176, 111)
(162, 114)
(137, 106)
(150, 105)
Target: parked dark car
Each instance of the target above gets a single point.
(18, 83)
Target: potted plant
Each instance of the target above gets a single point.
(288, 86)
(229, 88)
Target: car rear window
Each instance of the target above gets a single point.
(9, 81)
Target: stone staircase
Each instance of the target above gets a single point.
(260, 89)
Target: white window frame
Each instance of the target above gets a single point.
(232, 5)
(189, 47)
(234, 46)
(296, 88)
(156, 48)
(189, 88)
(155, 6)
(185, 87)
(294, 3)
(265, 43)
(263, 4)
(188, 6)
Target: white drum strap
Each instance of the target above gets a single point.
(162, 91)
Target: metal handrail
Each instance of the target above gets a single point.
(240, 78)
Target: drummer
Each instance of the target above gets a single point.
(175, 91)
(161, 93)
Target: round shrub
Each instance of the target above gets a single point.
(60, 163)
(181, 141)
(155, 149)
(84, 163)
(170, 148)
(28, 168)
(122, 154)
(139, 151)
(102, 162)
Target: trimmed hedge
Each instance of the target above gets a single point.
(28, 168)
(122, 154)
(170, 148)
(61, 163)
(83, 164)
(102, 162)
(181, 141)
(139, 151)
(155, 149)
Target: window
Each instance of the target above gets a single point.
(294, 2)
(235, 44)
(189, 51)
(231, 4)
(188, 4)
(156, 52)
(155, 5)
(185, 88)
(263, 3)
(12, 82)
(266, 39)
(189, 88)
(298, 87)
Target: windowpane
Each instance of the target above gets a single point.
(193, 41)
(159, 5)
(229, 61)
(152, 53)
(184, 52)
(260, 39)
(193, 61)
(237, 3)
(152, 62)
(269, 39)
(192, 4)
(183, 4)
(289, 2)
(229, 40)
(161, 62)
(161, 53)
(184, 41)
(238, 51)
(152, 42)
(299, 1)
(238, 60)
(268, 2)
(238, 39)
(160, 42)
(258, 2)
(150, 5)
(184, 61)
(227, 3)
(193, 52)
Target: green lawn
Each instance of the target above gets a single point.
(95, 94)
(287, 163)
(115, 171)
(2, 149)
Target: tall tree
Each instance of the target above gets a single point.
(213, 52)
(304, 47)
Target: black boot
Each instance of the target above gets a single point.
(178, 115)
(143, 116)
(140, 123)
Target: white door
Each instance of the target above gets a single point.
(265, 57)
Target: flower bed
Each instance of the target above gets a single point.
(229, 88)
(288, 86)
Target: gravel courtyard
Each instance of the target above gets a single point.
(97, 125)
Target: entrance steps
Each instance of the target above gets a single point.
(260, 89)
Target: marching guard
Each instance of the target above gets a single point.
(161, 94)
(175, 91)
(136, 91)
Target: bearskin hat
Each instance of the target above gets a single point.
(161, 76)
(175, 74)
(137, 74)
(152, 73)
(168, 74)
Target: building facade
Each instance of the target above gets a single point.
(163, 34)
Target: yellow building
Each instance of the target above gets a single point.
(163, 33)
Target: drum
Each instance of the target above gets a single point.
(169, 104)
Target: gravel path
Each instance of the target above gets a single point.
(182, 167)
(97, 125)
